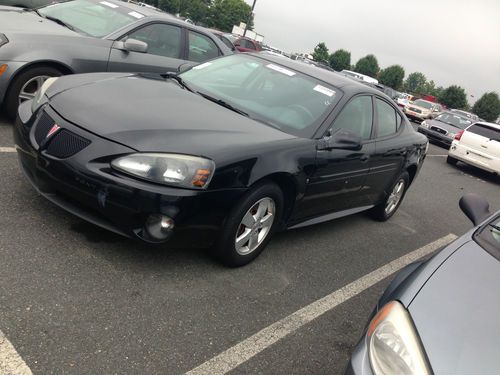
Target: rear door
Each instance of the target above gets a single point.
(165, 50)
(482, 140)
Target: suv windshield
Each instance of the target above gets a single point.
(93, 18)
(267, 92)
(423, 104)
(454, 120)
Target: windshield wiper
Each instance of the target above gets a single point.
(180, 81)
(223, 103)
(60, 22)
(496, 227)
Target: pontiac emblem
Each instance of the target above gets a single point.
(52, 130)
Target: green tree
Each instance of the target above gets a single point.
(453, 97)
(320, 53)
(340, 60)
(224, 14)
(488, 106)
(367, 65)
(392, 76)
(415, 83)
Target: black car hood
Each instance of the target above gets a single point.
(20, 21)
(457, 313)
(152, 114)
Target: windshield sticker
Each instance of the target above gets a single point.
(136, 15)
(281, 70)
(109, 4)
(324, 90)
(201, 66)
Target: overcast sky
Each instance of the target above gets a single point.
(450, 41)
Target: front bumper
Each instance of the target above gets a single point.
(6, 77)
(435, 136)
(416, 116)
(85, 185)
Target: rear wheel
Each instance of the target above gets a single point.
(451, 160)
(250, 225)
(26, 85)
(392, 201)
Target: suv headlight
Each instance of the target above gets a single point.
(3, 39)
(169, 169)
(40, 98)
(393, 343)
(424, 124)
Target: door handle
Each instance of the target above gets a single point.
(364, 158)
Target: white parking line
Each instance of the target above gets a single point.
(242, 352)
(10, 361)
(7, 149)
(441, 156)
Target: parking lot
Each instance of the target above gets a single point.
(77, 299)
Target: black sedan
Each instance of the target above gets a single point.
(231, 150)
(444, 127)
(440, 316)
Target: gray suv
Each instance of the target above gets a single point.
(82, 36)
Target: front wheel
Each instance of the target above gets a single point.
(392, 201)
(25, 86)
(250, 225)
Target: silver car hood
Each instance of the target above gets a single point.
(20, 21)
(457, 313)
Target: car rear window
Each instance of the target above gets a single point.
(485, 131)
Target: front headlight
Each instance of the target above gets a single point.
(424, 124)
(40, 98)
(170, 169)
(393, 343)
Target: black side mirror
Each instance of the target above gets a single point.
(475, 207)
(342, 140)
(134, 45)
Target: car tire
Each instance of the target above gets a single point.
(250, 219)
(388, 207)
(451, 160)
(29, 80)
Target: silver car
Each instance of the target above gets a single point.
(82, 36)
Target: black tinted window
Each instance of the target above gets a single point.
(486, 131)
(356, 117)
(388, 119)
(162, 40)
(201, 47)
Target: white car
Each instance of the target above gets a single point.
(477, 145)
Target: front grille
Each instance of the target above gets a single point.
(42, 127)
(415, 110)
(439, 130)
(65, 144)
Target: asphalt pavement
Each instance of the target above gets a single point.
(76, 299)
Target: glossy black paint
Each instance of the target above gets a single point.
(126, 113)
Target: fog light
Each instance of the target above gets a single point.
(159, 227)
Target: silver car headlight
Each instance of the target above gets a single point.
(393, 343)
(169, 169)
(424, 124)
(40, 98)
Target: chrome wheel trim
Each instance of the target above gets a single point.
(30, 88)
(395, 197)
(255, 226)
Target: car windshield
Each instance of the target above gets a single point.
(268, 92)
(93, 18)
(454, 120)
(423, 104)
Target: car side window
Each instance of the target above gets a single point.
(356, 117)
(201, 47)
(162, 39)
(388, 119)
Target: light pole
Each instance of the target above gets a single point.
(249, 18)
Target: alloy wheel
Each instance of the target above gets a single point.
(255, 226)
(30, 88)
(395, 197)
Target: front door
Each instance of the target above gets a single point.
(337, 183)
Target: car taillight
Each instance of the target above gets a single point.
(459, 135)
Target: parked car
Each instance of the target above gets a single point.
(26, 3)
(473, 117)
(440, 316)
(479, 146)
(243, 44)
(421, 110)
(82, 36)
(444, 127)
(403, 99)
(224, 39)
(360, 76)
(231, 151)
